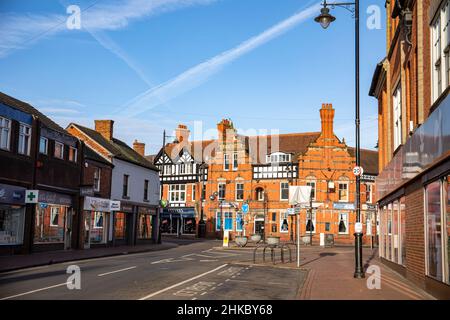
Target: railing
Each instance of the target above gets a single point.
(429, 142)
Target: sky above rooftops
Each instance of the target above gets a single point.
(150, 65)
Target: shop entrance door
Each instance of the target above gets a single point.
(68, 229)
(87, 229)
(259, 226)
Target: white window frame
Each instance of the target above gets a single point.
(278, 157)
(440, 45)
(369, 188)
(97, 171)
(96, 214)
(5, 128)
(177, 193)
(310, 181)
(281, 191)
(62, 150)
(259, 195)
(235, 161)
(52, 215)
(226, 162)
(224, 190)
(236, 190)
(46, 145)
(24, 136)
(75, 154)
(339, 191)
(397, 116)
(284, 215)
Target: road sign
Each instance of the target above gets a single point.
(358, 171)
(245, 207)
(290, 211)
(31, 196)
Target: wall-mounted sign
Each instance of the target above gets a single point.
(96, 204)
(86, 191)
(54, 198)
(31, 196)
(245, 208)
(343, 206)
(12, 194)
(114, 205)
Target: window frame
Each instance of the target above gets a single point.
(52, 215)
(346, 222)
(281, 191)
(125, 186)
(62, 150)
(146, 188)
(75, 154)
(4, 128)
(26, 137)
(46, 145)
(310, 181)
(219, 191)
(177, 193)
(239, 191)
(99, 170)
(226, 162)
(339, 190)
(235, 161)
(397, 116)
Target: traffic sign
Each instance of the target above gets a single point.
(31, 196)
(358, 171)
(245, 208)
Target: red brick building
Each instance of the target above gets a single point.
(257, 171)
(411, 85)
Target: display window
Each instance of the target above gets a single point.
(120, 225)
(50, 223)
(145, 226)
(11, 224)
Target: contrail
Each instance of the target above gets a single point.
(200, 73)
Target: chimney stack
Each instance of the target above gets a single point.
(105, 128)
(139, 147)
(182, 133)
(225, 128)
(327, 119)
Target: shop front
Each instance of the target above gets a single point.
(97, 221)
(53, 221)
(123, 225)
(178, 221)
(12, 217)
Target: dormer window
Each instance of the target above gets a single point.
(278, 157)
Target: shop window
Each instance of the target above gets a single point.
(43, 145)
(145, 226)
(395, 233)
(447, 228)
(343, 223)
(434, 230)
(239, 222)
(59, 150)
(24, 139)
(284, 225)
(218, 221)
(11, 225)
(403, 231)
(284, 191)
(189, 225)
(228, 222)
(120, 226)
(5, 133)
(177, 193)
(97, 232)
(49, 223)
(389, 233)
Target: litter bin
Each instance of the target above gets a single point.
(329, 240)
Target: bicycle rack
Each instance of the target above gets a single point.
(282, 246)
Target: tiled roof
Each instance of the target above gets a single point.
(369, 160)
(117, 148)
(27, 108)
(92, 155)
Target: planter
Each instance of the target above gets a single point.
(273, 240)
(255, 237)
(241, 241)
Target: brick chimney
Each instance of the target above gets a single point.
(225, 128)
(139, 147)
(182, 133)
(327, 118)
(105, 128)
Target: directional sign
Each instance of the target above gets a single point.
(245, 207)
(31, 196)
(358, 171)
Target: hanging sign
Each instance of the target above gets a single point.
(31, 196)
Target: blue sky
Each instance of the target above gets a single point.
(150, 65)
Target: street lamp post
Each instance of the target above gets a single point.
(201, 223)
(325, 19)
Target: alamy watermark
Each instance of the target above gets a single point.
(74, 280)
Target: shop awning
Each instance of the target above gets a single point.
(188, 212)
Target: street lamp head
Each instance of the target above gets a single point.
(325, 18)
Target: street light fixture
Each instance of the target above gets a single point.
(325, 18)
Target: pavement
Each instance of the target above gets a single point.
(202, 270)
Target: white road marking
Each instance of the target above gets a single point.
(125, 269)
(33, 291)
(182, 282)
(203, 293)
(210, 260)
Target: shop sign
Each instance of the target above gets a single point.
(126, 207)
(370, 207)
(114, 205)
(146, 210)
(12, 194)
(31, 196)
(86, 191)
(55, 198)
(343, 206)
(96, 204)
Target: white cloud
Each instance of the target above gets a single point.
(200, 73)
(59, 111)
(19, 31)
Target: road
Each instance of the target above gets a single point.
(196, 271)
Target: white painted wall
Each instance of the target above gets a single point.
(135, 183)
